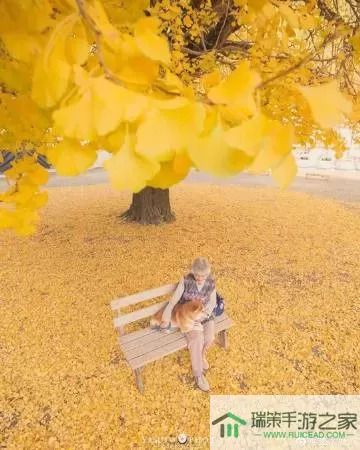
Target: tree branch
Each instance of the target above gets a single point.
(223, 24)
(203, 40)
(108, 73)
(307, 58)
(98, 34)
(236, 46)
(189, 51)
(357, 15)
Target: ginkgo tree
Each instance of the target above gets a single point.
(220, 85)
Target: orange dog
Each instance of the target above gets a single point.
(183, 315)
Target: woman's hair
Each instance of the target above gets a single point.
(201, 266)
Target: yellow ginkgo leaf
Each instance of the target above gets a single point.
(100, 110)
(171, 82)
(25, 192)
(355, 41)
(211, 154)
(211, 79)
(308, 21)
(237, 89)
(38, 200)
(130, 64)
(171, 172)
(149, 42)
(327, 103)
(266, 141)
(257, 5)
(24, 164)
(24, 218)
(233, 114)
(211, 119)
(173, 128)
(278, 141)
(98, 14)
(236, 161)
(289, 15)
(182, 162)
(115, 140)
(290, 31)
(76, 120)
(269, 10)
(285, 172)
(50, 83)
(120, 104)
(25, 215)
(128, 170)
(39, 12)
(77, 46)
(52, 70)
(187, 21)
(11, 174)
(81, 77)
(22, 107)
(139, 71)
(39, 175)
(166, 102)
(249, 136)
(21, 45)
(70, 158)
(189, 93)
(355, 114)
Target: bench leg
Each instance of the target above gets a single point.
(138, 379)
(223, 338)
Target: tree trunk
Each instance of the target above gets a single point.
(150, 206)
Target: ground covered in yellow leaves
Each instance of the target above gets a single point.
(286, 263)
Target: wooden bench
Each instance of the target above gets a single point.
(146, 345)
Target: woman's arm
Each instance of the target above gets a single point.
(166, 317)
(212, 303)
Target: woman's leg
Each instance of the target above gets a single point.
(209, 338)
(209, 334)
(195, 340)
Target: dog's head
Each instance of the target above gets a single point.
(185, 314)
(194, 308)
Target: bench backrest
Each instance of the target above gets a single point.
(148, 311)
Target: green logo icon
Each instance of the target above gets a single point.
(229, 426)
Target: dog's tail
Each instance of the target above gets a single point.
(156, 318)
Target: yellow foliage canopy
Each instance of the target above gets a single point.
(224, 88)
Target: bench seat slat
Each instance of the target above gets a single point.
(145, 339)
(136, 335)
(159, 340)
(158, 353)
(148, 331)
(175, 342)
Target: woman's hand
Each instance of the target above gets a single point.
(204, 315)
(165, 326)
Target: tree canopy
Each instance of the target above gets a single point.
(163, 86)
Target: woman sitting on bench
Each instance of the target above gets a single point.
(199, 284)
